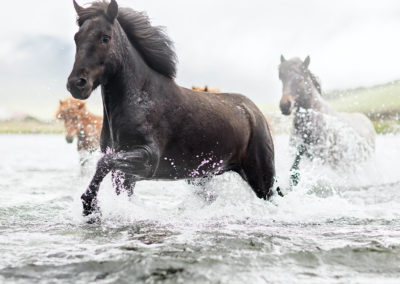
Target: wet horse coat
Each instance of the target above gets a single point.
(153, 128)
(319, 131)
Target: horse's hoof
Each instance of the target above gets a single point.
(89, 206)
(90, 209)
(93, 219)
(279, 192)
(92, 215)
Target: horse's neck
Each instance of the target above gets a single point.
(316, 104)
(131, 90)
(130, 80)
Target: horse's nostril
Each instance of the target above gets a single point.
(80, 83)
(286, 107)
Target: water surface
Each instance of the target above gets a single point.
(338, 226)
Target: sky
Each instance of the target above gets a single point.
(230, 44)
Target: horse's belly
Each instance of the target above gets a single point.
(196, 162)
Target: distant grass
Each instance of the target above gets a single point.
(380, 103)
(383, 126)
(32, 126)
(376, 102)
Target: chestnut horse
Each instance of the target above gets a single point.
(206, 89)
(154, 129)
(339, 139)
(80, 123)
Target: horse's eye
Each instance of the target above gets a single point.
(106, 39)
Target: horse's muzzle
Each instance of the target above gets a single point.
(79, 87)
(286, 107)
(286, 104)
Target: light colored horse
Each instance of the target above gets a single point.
(319, 132)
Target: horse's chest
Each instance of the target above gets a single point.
(309, 129)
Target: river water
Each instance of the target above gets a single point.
(339, 226)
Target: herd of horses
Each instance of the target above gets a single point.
(154, 129)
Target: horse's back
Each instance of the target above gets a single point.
(234, 107)
(362, 125)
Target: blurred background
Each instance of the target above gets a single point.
(232, 45)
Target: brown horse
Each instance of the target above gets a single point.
(80, 123)
(339, 139)
(206, 89)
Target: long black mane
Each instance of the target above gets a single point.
(316, 82)
(152, 42)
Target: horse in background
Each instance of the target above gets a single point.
(206, 89)
(319, 132)
(80, 123)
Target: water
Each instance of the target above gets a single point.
(337, 227)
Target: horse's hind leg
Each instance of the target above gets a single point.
(258, 167)
(123, 182)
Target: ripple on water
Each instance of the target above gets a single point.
(333, 229)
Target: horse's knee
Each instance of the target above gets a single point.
(140, 162)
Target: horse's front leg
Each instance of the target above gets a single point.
(89, 198)
(294, 170)
(123, 182)
(140, 163)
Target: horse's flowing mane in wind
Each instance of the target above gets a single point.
(152, 42)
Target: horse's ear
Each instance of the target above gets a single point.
(283, 59)
(112, 10)
(306, 62)
(78, 8)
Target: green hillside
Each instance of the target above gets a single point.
(380, 103)
(377, 102)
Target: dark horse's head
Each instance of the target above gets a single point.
(105, 34)
(300, 86)
(94, 49)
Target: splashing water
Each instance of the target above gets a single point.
(337, 226)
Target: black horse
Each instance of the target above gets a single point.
(339, 139)
(153, 128)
